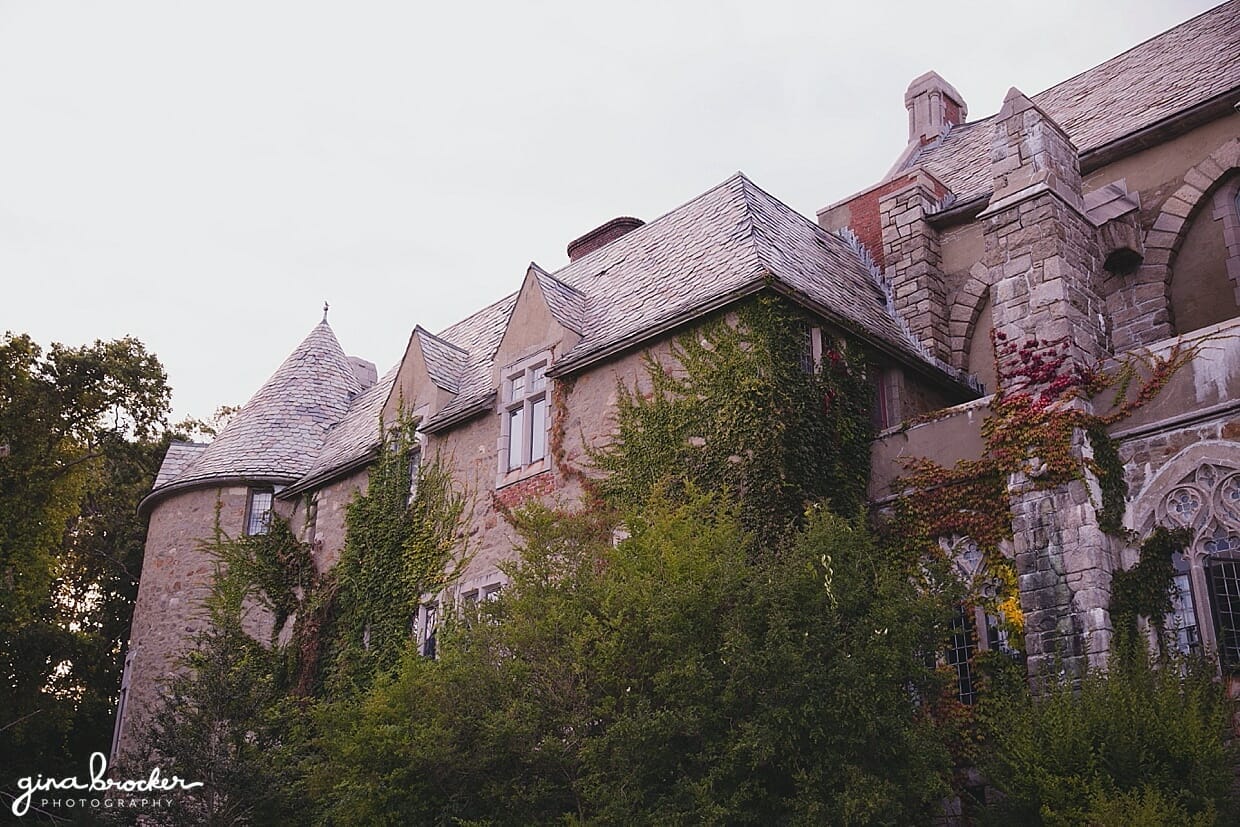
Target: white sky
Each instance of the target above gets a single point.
(204, 175)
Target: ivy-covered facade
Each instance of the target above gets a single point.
(999, 364)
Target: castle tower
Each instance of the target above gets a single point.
(268, 444)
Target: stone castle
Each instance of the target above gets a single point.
(1104, 210)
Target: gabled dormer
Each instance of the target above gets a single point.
(429, 375)
(549, 315)
(546, 321)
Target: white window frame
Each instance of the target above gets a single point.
(523, 386)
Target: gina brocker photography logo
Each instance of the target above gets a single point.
(98, 791)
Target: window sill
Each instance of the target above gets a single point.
(516, 475)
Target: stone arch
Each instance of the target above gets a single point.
(1164, 238)
(1199, 490)
(967, 306)
(1143, 512)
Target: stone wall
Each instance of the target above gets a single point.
(177, 575)
(913, 261)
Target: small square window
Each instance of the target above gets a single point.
(258, 511)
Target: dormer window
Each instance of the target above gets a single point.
(524, 416)
(258, 511)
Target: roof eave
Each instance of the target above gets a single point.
(483, 405)
(148, 502)
(902, 355)
(1160, 131)
(331, 474)
(638, 337)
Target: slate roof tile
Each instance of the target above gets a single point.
(1184, 66)
(355, 435)
(445, 362)
(179, 456)
(279, 432)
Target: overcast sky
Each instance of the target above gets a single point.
(204, 175)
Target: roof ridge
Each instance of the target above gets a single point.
(541, 273)
(418, 329)
(646, 228)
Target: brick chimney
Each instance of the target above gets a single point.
(933, 105)
(599, 236)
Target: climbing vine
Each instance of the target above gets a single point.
(1032, 435)
(358, 615)
(1145, 589)
(736, 410)
(397, 549)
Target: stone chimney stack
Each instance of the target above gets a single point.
(933, 105)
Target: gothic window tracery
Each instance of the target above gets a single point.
(1206, 601)
(973, 628)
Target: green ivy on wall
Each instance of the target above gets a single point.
(396, 550)
(734, 410)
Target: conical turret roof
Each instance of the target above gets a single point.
(278, 433)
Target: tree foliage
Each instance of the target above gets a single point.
(674, 678)
(80, 442)
(226, 717)
(1133, 744)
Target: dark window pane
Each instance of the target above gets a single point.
(960, 654)
(1224, 576)
(259, 517)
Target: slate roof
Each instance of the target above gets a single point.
(353, 438)
(567, 305)
(280, 431)
(1184, 66)
(732, 240)
(445, 362)
(177, 459)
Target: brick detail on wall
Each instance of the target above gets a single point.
(512, 496)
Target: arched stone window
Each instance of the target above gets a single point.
(1205, 276)
(1207, 501)
(1199, 489)
(973, 628)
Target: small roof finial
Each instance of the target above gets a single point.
(325, 308)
